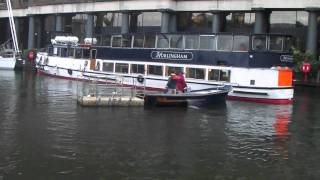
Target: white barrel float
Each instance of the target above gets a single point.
(90, 40)
(65, 40)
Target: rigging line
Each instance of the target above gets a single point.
(10, 22)
(12, 26)
(14, 34)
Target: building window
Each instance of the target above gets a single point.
(302, 18)
(239, 22)
(149, 19)
(122, 68)
(194, 22)
(236, 18)
(280, 18)
(195, 73)
(112, 20)
(155, 70)
(219, 75)
(137, 68)
(107, 67)
(291, 22)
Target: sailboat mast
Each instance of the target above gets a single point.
(12, 27)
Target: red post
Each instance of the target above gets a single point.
(305, 77)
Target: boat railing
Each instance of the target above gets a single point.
(113, 87)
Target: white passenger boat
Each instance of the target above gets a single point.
(257, 66)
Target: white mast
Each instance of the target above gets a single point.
(12, 27)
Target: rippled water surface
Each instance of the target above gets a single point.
(45, 135)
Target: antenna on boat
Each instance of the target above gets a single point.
(12, 28)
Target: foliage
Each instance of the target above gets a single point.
(300, 57)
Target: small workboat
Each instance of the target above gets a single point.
(199, 97)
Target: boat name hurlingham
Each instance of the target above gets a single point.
(171, 55)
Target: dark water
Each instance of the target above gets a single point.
(45, 135)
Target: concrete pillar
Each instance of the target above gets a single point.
(133, 22)
(8, 30)
(173, 23)
(125, 23)
(99, 22)
(17, 27)
(89, 26)
(8, 35)
(39, 30)
(68, 23)
(217, 22)
(261, 24)
(165, 18)
(31, 32)
(312, 38)
(59, 22)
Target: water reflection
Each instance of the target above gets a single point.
(8, 128)
(283, 118)
(258, 131)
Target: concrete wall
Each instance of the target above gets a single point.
(76, 6)
(285, 4)
(17, 4)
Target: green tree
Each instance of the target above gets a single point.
(300, 57)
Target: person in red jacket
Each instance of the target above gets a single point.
(181, 83)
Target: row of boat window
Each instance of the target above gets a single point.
(159, 70)
(238, 43)
(219, 42)
(77, 53)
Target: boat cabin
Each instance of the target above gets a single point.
(236, 50)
